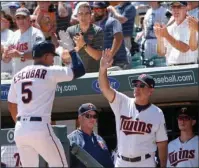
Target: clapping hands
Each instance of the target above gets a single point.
(160, 30)
(193, 23)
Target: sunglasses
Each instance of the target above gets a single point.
(97, 9)
(20, 17)
(89, 116)
(184, 118)
(139, 85)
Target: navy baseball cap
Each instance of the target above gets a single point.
(84, 108)
(188, 111)
(99, 4)
(184, 3)
(146, 79)
(39, 49)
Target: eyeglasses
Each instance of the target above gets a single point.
(140, 85)
(184, 118)
(20, 17)
(89, 116)
(177, 6)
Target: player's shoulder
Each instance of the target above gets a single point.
(156, 109)
(173, 142)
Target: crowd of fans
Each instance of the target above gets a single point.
(136, 33)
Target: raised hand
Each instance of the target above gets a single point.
(193, 23)
(66, 41)
(106, 60)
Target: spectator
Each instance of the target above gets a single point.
(125, 12)
(63, 16)
(183, 151)
(113, 37)
(13, 6)
(156, 14)
(46, 18)
(87, 139)
(173, 41)
(6, 33)
(88, 38)
(19, 47)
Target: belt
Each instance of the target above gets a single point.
(136, 159)
(182, 64)
(31, 119)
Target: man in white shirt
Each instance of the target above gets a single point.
(18, 49)
(140, 125)
(173, 41)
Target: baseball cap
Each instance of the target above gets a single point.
(189, 111)
(84, 108)
(147, 79)
(22, 11)
(100, 5)
(39, 49)
(184, 3)
(14, 5)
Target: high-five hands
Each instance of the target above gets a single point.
(66, 42)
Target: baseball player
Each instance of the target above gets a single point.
(18, 49)
(30, 101)
(183, 151)
(140, 125)
(10, 156)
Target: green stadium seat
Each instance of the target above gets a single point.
(160, 62)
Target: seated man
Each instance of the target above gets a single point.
(89, 140)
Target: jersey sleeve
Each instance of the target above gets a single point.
(12, 95)
(61, 74)
(119, 99)
(161, 134)
(38, 36)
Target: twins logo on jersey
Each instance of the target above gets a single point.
(19, 46)
(129, 126)
(180, 156)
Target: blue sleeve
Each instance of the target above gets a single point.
(77, 64)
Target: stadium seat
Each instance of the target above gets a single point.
(160, 62)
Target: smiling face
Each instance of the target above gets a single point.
(178, 11)
(23, 22)
(142, 91)
(84, 15)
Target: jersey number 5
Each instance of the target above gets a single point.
(28, 93)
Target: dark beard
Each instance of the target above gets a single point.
(98, 18)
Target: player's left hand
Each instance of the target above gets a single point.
(65, 40)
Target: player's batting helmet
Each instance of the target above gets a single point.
(42, 48)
